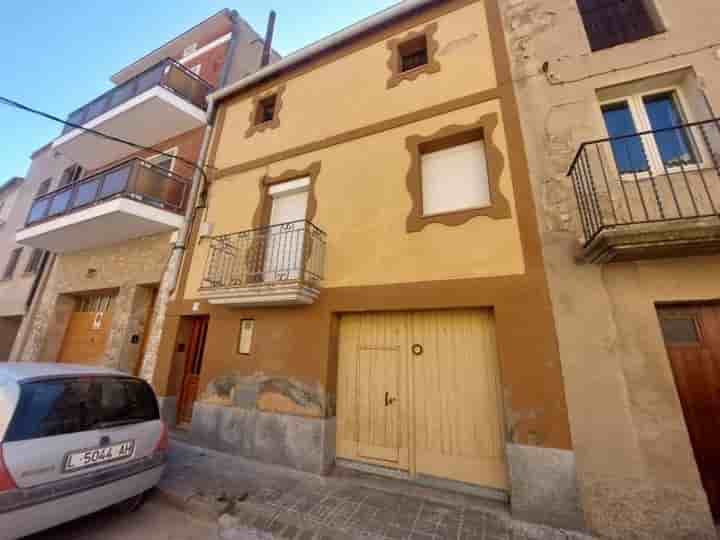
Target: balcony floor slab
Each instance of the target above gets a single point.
(663, 239)
(107, 223)
(270, 294)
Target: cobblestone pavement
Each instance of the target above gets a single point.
(278, 503)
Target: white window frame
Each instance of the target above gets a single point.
(159, 157)
(640, 118)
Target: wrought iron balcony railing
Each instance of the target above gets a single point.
(288, 252)
(654, 176)
(135, 179)
(168, 74)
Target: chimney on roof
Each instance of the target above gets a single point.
(267, 46)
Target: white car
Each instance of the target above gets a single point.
(74, 440)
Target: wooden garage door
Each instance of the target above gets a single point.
(420, 392)
(87, 333)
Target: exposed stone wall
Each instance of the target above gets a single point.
(125, 269)
(636, 469)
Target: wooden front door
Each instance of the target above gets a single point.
(87, 332)
(421, 392)
(193, 365)
(692, 338)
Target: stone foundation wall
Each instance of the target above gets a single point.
(306, 444)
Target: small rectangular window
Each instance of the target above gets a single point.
(679, 330)
(33, 263)
(413, 53)
(43, 188)
(613, 22)
(71, 175)
(454, 177)
(266, 110)
(12, 263)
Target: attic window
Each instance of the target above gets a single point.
(413, 53)
(266, 110)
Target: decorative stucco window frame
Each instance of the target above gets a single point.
(255, 105)
(483, 129)
(395, 61)
(261, 217)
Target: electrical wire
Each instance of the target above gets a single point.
(12, 103)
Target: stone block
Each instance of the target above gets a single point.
(544, 487)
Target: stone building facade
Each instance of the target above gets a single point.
(629, 237)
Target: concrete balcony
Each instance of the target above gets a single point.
(280, 265)
(650, 195)
(162, 102)
(130, 200)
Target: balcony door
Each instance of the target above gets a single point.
(286, 232)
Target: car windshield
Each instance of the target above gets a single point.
(63, 406)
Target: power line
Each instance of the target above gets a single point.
(12, 103)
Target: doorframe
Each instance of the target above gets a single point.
(151, 309)
(189, 361)
(696, 305)
(411, 474)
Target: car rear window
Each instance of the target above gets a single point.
(64, 406)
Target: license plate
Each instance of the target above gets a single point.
(96, 456)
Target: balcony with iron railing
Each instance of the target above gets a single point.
(274, 265)
(650, 194)
(158, 104)
(132, 199)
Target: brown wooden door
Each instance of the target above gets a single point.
(193, 365)
(692, 337)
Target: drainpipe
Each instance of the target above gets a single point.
(198, 179)
(36, 281)
(186, 229)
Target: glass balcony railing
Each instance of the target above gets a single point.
(134, 179)
(167, 74)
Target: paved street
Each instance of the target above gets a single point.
(156, 520)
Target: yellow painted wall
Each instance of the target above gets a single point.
(362, 205)
(351, 92)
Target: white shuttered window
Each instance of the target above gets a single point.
(455, 179)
